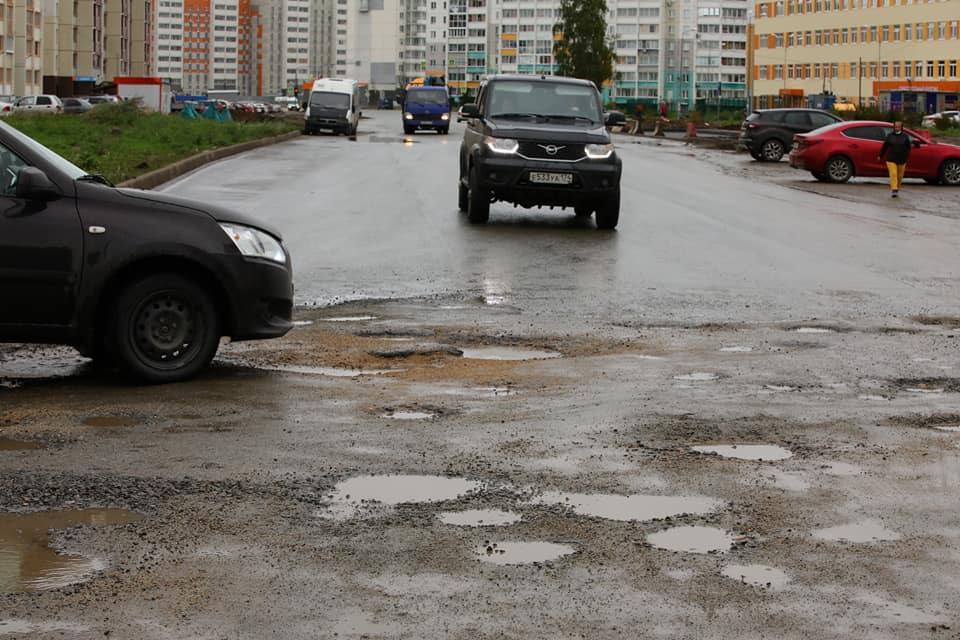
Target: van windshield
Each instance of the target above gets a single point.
(329, 100)
(427, 96)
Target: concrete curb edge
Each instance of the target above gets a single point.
(159, 176)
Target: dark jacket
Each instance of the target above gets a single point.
(899, 145)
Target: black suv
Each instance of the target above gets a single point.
(139, 279)
(768, 133)
(539, 141)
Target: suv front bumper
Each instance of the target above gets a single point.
(508, 179)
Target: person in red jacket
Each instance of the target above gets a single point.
(896, 147)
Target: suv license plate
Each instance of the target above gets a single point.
(551, 178)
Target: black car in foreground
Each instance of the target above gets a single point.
(768, 133)
(138, 279)
(538, 141)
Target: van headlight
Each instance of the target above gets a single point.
(408, 116)
(445, 116)
(255, 243)
(506, 146)
(599, 151)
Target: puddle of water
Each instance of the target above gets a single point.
(109, 421)
(646, 357)
(857, 532)
(332, 372)
(924, 390)
(780, 387)
(757, 575)
(736, 349)
(692, 539)
(480, 518)
(12, 626)
(348, 319)
(408, 415)
(952, 428)
(397, 489)
(7, 444)
(762, 452)
(698, 376)
(302, 323)
(494, 300)
(813, 330)
(27, 563)
(508, 353)
(634, 507)
(504, 553)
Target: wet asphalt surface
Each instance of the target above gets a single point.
(489, 432)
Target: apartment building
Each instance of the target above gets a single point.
(287, 45)
(893, 54)
(370, 31)
(526, 36)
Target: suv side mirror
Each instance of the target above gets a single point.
(33, 184)
(613, 118)
(471, 110)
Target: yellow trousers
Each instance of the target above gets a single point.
(896, 175)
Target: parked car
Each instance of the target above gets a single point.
(141, 279)
(6, 108)
(76, 105)
(539, 141)
(102, 99)
(768, 133)
(841, 151)
(930, 121)
(38, 103)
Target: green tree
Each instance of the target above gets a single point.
(582, 50)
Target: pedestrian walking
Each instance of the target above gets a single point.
(896, 147)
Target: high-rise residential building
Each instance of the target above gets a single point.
(893, 54)
(471, 43)
(370, 54)
(287, 44)
(526, 36)
(324, 37)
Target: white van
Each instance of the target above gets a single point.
(334, 104)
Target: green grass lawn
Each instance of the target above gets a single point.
(122, 142)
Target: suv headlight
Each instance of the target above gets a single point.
(599, 151)
(255, 243)
(506, 146)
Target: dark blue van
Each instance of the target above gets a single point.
(426, 108)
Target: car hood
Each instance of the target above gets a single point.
(549, 131)
(218, 213)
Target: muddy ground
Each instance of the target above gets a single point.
(263, 514)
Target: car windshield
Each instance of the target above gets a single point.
(329, 100)
(557, 100)
(63, 165)
(427, 96)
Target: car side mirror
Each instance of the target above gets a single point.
(33, 184)
(471, 110)
(613, 118)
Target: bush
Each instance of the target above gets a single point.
(944, 123)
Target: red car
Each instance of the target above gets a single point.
(838, 152)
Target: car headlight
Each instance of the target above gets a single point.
(445, 116)
(255, 243)
(408, 116)
(505, 146)
(599, 151)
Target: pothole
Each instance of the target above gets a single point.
(28, 563)
(480, 518)
(508, 353)
(813, 330)
(950, 428)
(697, 376)
(858, 532)
(506, 553)
(348, 319)
(9, 444)
(693, 539)
(109, 421)
(759, 452)
(408, 415)
(736, 349)
(331, 372)
(757, 575)
(780, 388)
(633, 507)
(348, 496)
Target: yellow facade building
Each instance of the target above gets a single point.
(892, 54)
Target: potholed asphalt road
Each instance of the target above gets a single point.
(736, 416)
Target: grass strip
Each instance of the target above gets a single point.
(121, 141)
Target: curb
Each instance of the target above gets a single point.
(165, 174)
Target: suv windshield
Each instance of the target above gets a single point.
(519, 99)
(329, 100)
(427, 96)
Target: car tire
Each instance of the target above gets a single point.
(165, 328)
(756, 156)
(408, 131)
(444, 131)
(478, 200)
(772, 150)
(821, 177)
(463, 194)
(838, 169)
(950, 172)
(608, 213)
(932, 180)
(583, 211)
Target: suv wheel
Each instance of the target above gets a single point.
(838, 169)
(166, 328)
(478, 200)
(772, 150)
(608, 213)
(463, 193)
(950, 172)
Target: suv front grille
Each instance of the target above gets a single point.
(561, 152)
